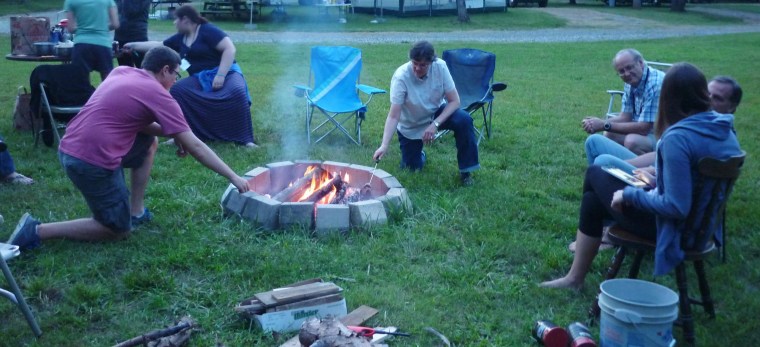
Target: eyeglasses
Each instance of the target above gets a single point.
(178, 75)
(421, 64)
(626, 69)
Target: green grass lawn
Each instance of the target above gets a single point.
(746, 7)
(467, 260)
(19, 6)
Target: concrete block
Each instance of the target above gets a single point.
(234, 202)
(262, 210)
(225, 195)
(392, 182)
(255, 172)
(296, 213)
(367, 213)
(334, 166)
(331, 218)
(280, 175)
(396, 198)
(259, 180)
(382, 173)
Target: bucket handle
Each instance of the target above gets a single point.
(627, 316)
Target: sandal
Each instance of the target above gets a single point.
(605, 245)
(17, 178)
(602, 246)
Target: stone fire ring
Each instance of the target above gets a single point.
(257, 205)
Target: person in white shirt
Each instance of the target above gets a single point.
(423, 101)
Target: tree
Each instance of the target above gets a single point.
(678, 5)
(462, 15)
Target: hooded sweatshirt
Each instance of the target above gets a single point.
(706, 134)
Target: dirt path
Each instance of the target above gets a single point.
(589, 18)
(584, 25)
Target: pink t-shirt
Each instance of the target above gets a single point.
(125, 103)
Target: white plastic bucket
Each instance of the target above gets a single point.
(636, 313)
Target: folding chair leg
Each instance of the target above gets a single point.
(359, 120)
(18, 299)
(309, 113)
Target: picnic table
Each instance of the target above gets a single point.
(235, 8)
(342, 7)
(156, 3)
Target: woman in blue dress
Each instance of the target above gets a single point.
(215, 99)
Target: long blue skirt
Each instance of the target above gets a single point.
(220, 115)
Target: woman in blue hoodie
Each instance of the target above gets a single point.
(687, 131)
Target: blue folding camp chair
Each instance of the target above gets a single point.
(472, 71)
(333, 90)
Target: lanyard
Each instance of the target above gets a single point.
(633, 95)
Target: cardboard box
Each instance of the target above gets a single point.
(25, 31)
(291, 320)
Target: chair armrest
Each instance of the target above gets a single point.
(615, 92)
(301, 90)
(369, 89)
(498, 86)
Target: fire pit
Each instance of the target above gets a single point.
(323, 196)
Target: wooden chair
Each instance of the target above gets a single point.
(724, 173)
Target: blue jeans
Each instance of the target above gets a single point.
(597, 145)
(6, 163)
(460, 123)
(104, 190)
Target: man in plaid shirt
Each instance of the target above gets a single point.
(633, 127)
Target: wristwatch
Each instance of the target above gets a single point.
(607, 126)
(437, 125)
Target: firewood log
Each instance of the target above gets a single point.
(287, 194)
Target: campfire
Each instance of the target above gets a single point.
(322, 187)
(323, 196)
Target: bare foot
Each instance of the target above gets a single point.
(563, 282)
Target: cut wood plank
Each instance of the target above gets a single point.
(309, 302)
(287, 295)
(301, 283)
(304, 292)
(355, 317)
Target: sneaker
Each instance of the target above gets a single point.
(466, 179)
(25, 236)
(146, 217)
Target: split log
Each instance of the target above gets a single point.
(172, 336)
(330, 332)
(288, 194)
(355, 317)
(340, 194)
(335, 182)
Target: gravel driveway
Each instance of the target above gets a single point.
(584, 25)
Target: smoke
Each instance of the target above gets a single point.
(287, 111)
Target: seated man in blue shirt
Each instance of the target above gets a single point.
(633, 127)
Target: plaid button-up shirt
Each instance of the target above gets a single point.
(642, 101)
